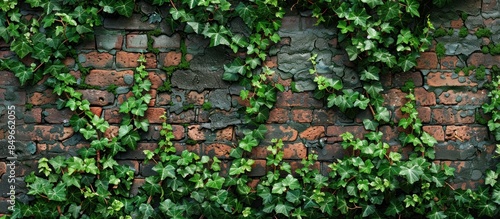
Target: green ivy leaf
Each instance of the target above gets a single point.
(370, 124)
(283, 209)
(412, 7)
(58, 193)
(217, 34)
(125, 7)
(428, 139)
(216, 181)
(146, 210)
(411, 173)
(164, 172)
(21, 47)
(131, 139)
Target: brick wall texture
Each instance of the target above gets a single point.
(449, 102)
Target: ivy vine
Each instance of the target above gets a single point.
(375, 181)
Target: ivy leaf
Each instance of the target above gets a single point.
(146, 210)
(352, 52)
(382, 114)
(368, 210)
(412, 7)
(389, 11)
(247, 143)
(359, 17)
(191, 3)
(164, 172)
(125, 7)
(216, 181)
(260, 132)
(407, 63)
(411, 173)
(58, 193)
(370, 124)
(21, 47)
(283, 209)
(217, 35)
(246, 13)
(371, 73)
(491, 178)
(428, 139)
(131, 139)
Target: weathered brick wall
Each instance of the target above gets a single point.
(449, 103)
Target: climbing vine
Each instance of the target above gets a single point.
(373, 180)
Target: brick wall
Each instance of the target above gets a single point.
(449, 102)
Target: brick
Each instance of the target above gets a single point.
(109, 41)
(225, 134)
(259, 168)
(294, 151)
(455, 151)
(290, 99)
(427, 60)
(450, 62)
(449, 116)
(271, 62)
(259, 152)
(130, 60)
(157, 79)
(313, 133)
(394, 98)
(180, 147)
(167, 42)
(452, 97)
(424, 114)
(112, 115)
(457, 24)
(334, 132)
(436, 131)
(136, 184)
(98, 97)
(330, 152)
(196, 133)
(196, 98)
(96, 110)
(218, 150)
(323, 117)
(444, 79)
(178, 131)
(132, 164)
(154, 114)
(3, 168)
(278, 115)
(424, 97)
(390, 134)
(33, 116)
(69, 62)
(137, 41)
(111, 132)
(283, 132)
(488, 6)
(96, 60)
(401, 78)
(302, 115)
(43, 132)
(54, 116)
(170, 58)
(487, 60)
(104, 78)
(457, 133)
(163, 99)
(8, 79)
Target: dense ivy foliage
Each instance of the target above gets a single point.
(373, 181)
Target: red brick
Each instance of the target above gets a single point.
(8, 79)
(334, 132)
(33, 116)
(283, 132)
(259, 152)
(394, 98)
(154, 114)
(42, 98)
(137, 41)
(460, 98)
(424, 98)
(157, 79)
(98, 97)
(3, 168)
(427, 60)
(449, 116)
(171, 58)
(442, 79)
(424, 114)
(225, 134)
(178, 131)
(436, 131)
(278, 115)
(130, 60)
(180, 147)
(103, 78)
(302, 115)
(457, 24)
(69, 62)
(290, 99)
(449, 62)
(111, 132)
(163, 99)
(55, 116)
(196, 98)
(271, 62)
(112, 115)
(458, 133)
(196, 133)
(294, 151)
(43, 132)
(487, 60)
(259, 168)
(136, 184)
(390, 134)
(313, 133)
(96, 60)
(218, 150)
(96, 110)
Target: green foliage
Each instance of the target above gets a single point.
(483, 32)
(440, 50)
(463, 32)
